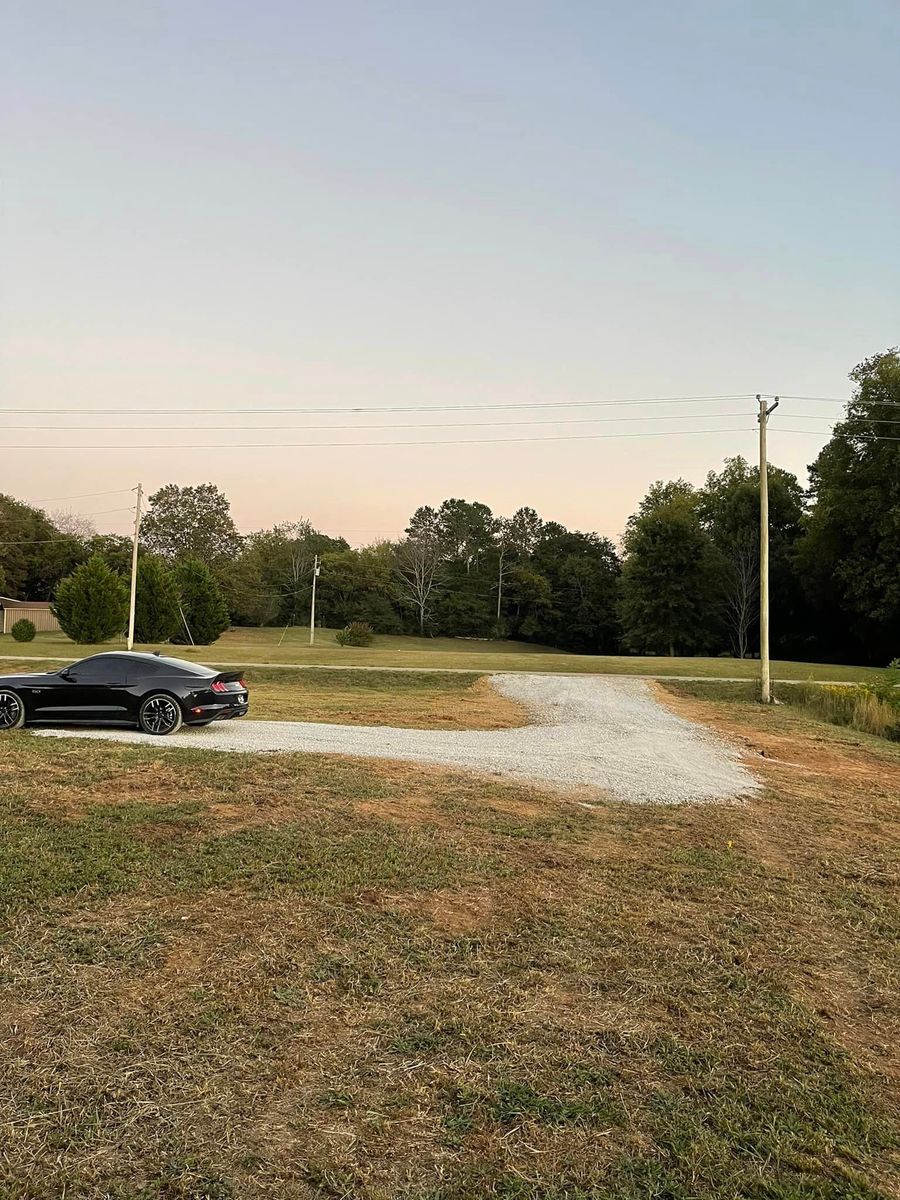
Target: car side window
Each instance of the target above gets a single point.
(139, 670)
(100, 670)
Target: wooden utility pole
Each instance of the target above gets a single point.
(312, 606)
(134, 567)
(765, 409)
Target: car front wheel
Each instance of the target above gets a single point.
(12, 711)
(160, 715)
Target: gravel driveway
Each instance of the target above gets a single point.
(588, 731)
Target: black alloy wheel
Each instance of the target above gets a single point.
(160, 715)
(12, 711)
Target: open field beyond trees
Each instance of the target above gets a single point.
(305, 977)
(247, 646)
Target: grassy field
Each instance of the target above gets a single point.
(406, 699)
(229, 978)
(245, 646)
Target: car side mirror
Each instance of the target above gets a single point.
(65, 673)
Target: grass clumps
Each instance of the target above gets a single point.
(868, 707)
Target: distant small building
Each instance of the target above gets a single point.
(36, 611)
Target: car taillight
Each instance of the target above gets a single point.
(242, 684)
(219, 686)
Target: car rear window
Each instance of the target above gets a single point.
(181, 664)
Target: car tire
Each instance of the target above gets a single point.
(160, 715)
(12, 710)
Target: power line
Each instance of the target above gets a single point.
(386, 428)
(409, 408)
(81, 495)
(376, 445)
(105, 511)
(425, 426)
(876, 437)
(838, 400)
(832, 421)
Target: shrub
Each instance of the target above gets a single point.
(91, 604)
(202, 603)
(156, 615)
(357, 633)
(23, 631)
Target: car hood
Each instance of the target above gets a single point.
(27, 680)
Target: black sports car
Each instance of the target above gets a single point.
(155, 693)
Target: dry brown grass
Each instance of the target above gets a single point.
(372, 980)
(430, 701)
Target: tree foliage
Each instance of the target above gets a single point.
(271, 581)
(190, 522)
(668, 575)
(34, 554)
(202, 603)
(91, 604)
(156, 614)
(850, 557)
(729, 510)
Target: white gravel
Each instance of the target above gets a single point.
(596, 732)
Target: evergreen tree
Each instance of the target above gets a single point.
(156, 615)
(202, 603)
(91, 604)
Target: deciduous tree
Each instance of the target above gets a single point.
(851, 556)
(668, 576)
(190, 522)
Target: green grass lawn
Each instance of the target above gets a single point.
(245, 646)
(228, 977)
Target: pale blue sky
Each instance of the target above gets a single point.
(271, 203)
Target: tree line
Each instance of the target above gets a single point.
(684, 580)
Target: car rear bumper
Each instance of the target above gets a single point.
(215, 712)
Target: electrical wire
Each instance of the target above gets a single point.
(105, 511)
(429, 425)
(385, 428)
(407, 408)
(584, 437)
(837, 400)
(82, 495)
(376, 445)
(818, 433)
(833, 421)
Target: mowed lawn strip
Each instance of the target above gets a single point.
(410, 700)
(246, 646)
(236, 976)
